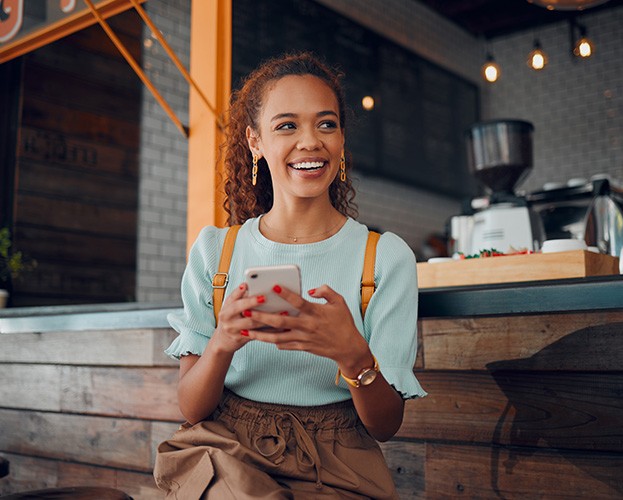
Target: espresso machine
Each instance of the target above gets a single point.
(500, 156)
(584, 209)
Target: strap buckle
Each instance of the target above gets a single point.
(216, 279)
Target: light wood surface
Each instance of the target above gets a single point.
(516, 268)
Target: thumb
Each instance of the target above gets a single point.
(325, 292)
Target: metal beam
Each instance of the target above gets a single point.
(210, 65)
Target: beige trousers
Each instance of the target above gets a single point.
(249, 450)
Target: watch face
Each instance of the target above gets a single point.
(367, 377)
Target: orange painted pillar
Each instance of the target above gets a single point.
(210, 67)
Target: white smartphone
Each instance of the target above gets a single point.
(261, 281)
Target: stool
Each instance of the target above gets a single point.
(77, 493)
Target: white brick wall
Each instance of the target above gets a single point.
(576, 107)
(164, 157)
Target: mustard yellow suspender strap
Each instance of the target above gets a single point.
(367, 278)
(221, 278)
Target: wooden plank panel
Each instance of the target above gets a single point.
(406, 463)
(41, 114)
(97, 42)
(146, 393)
(574, 410)
(58, 245)
(104, 441)
(86, 94)
(32, 473)
(85, 283)
(90, 185)
(64, 55)
(30, 386)
(483, 472)
(28, 473)
(582, 341)
(136, 347)
(75, 216)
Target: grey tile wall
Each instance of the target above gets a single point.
(576, 106)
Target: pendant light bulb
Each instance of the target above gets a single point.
(491, 70)
(583, 48)
(537, 59)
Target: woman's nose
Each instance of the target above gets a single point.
(309, 139)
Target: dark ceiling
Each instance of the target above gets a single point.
(492, 18)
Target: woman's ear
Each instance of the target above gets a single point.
(253, 140)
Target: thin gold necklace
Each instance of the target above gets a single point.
(296, 238)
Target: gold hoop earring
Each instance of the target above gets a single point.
(254, 171)
(343, 168)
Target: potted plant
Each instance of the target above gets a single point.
(12, 264)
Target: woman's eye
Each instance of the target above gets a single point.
(329, 124)
(285, 126)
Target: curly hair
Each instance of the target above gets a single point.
(242, 199)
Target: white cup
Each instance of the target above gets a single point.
(565, 245)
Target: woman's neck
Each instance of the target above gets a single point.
(302, 225)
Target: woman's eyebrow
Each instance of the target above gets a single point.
(280, 116)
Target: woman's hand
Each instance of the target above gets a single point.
(234, 321)
(326, 330)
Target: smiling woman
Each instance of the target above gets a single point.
(267, 417)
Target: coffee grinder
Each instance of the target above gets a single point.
(500, 156)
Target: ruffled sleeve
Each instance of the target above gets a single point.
(195, 322)
(390, 322)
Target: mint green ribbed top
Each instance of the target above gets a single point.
(259, 371)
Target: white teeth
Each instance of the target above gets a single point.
(307, 165)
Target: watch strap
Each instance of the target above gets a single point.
(355, 381)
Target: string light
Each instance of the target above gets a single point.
(491, 70)
(537, 59)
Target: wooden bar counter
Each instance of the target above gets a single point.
(525, 384)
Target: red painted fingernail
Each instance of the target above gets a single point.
(277, 289)
(244, 333)
(261, 299)
(247, 313)
(241, 287)
(312, 291)
(284, 313)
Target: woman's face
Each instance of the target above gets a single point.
(299, 136)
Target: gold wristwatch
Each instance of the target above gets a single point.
(365, 377)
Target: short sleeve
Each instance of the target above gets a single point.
(391, 318)
(195, 323)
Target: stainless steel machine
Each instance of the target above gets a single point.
(591, 211)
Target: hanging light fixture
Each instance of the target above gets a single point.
(490, 69)
(581, 47)
(537, 59)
